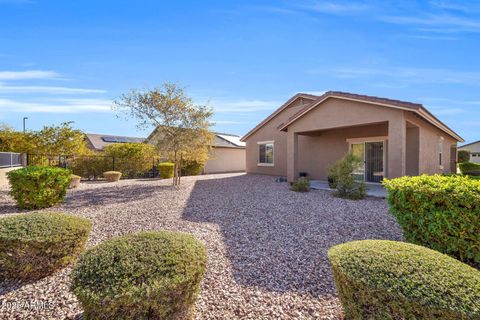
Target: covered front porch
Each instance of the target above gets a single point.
(387, 150)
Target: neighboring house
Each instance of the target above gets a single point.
(474, 149)
(227, 153)
(308, 133)
(98, 142)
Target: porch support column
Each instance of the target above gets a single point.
(396, 148)
(292, 156)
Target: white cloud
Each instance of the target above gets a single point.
(47, 90)
(408, 74)
(28, 74)
(336, 7)
(437, 21)
(56, 106)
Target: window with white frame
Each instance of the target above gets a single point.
(265, 153)
(440, 151)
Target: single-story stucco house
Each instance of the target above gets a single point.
(310, 132)
(227, 153)
(474, 149)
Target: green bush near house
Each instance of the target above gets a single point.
(301, 185)
(91, 167)
(148, 275)
(439, 212)
(463, 156)
(380, 280)
(38, 187)
(35, 245)
(470, 168)
(165, 169)
(342, 178)
(192, 168)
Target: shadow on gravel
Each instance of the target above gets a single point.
(104, 195)
(278, 239)
(116, 194)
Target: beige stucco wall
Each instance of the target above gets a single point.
(270, 132)
(225, 160)
(337, 113)
(429, 136)
(317, 153)
(3, 176)
(336, 120)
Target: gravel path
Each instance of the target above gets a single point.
(266, 244)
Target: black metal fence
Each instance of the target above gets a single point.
(10, 159)
(92, 167)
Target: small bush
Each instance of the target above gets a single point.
(35, 245)
(379, 279)
(301, 185)
(148, 275)
(192, 168)
(38, 187)
(342, 176)
(74, 182)
(438, 212)
(463, 156)
(165, 169)
(470, 168)
(91, 167)
(134, 160)
(112, 176)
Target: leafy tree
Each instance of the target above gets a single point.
(61, 140)
(51, 140)
(182, 128)
(16, 141)
(463, 156)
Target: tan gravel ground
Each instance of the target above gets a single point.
(266, 244)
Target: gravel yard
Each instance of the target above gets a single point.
(266, 244)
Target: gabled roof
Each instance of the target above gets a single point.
(385, 102)
(307, 96)
(469, 144)
(220, 140)
(101, 141)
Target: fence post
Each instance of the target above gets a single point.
(113, 163)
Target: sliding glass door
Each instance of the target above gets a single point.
(371, 154)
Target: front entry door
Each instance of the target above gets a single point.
(372, 155)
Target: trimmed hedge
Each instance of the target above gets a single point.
(112, 176)
(74, 182)
(148, 275)
(165, 170)
(379, 279)
(439, 212)
(469, 168)
(35, 245)
(38, 187)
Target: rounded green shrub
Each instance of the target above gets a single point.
(112, 176)
(380, 279)
(35, 245)
(301, 185)
(147, 275)
(439, 212)
(165, 169)
(38, 187)
(470, 168)
(463, 156)
(192, 168)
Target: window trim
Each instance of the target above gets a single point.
(265, 164)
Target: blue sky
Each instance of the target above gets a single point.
(67, 60)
